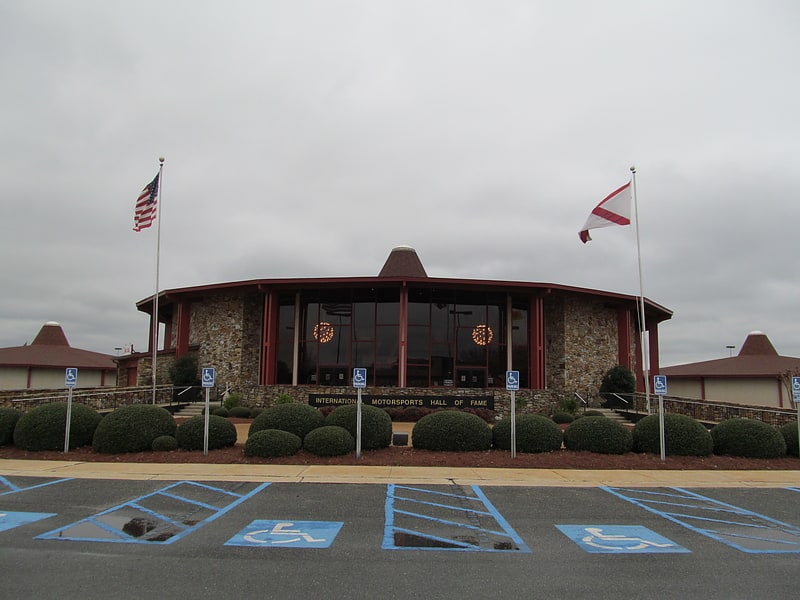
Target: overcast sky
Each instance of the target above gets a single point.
(308, 138)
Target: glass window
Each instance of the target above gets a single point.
(418, 346)
(417, 376)
(386, 345)
(364, 321)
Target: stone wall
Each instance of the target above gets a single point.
(528, 401)
(227, 330)
(581, 343)
(590, 343)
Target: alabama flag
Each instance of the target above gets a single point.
(614, 209)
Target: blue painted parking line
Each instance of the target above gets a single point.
(793, 489)
(12, 488)
(736, 527)
(10, 519)
(619, 539)
(161, 517)
(460, 519)
(287, 534)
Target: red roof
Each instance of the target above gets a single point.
(50, 348)
(403, 262)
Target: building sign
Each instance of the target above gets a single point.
(386, 401)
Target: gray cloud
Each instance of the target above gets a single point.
(308, 138)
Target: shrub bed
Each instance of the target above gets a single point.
(562, 417)
(191, 434)
(376, 425)
(298, 419)
(789, 433)
(683, 436)
(748, 438)
(535, 433)
(270, 443)
(8, 421)
(598, 434)
(132, 429)
(44, 427)
(329, 440)
(239, 412)
(452, 431)
(165, 443)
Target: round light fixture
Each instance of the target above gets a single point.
(482, 335)
(323, 332)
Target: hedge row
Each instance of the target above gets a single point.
(284, 429)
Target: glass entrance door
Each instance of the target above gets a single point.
(471, 377)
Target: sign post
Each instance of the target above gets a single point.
(70, 380)
(359, 382)
(660, 388)
(208, 377)
(512, 385)
(796, 400)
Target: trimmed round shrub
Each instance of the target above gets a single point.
(191, 433)
(598, 434)
(298, 419)
(165, 443)
(132, 429)
(220, 412)
(270, 443)
(789, 433)
(8, 420)
(254, 412)
(376, 424)
(562, 417)
(44, 427)
(239, 412)
(683, 436)
(593, 413)
(451, 431)
(535, 433)
(329, 440)
(748, 438)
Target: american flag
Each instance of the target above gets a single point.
(146, 205)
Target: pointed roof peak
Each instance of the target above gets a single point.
(757, 344)
(403, 262)
(51, 334)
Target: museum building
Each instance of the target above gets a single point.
(407, 329)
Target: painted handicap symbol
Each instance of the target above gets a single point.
(280, 529)
(619, 539)
(598, 539)
(796, 384)
(358, 377)
(287, 534)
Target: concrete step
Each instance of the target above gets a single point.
(612, 414)
(191, 410)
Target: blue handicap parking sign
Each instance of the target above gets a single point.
(359, 377)
(10, 520)
(512, 380)
(287, 534)
(619, 539)
(208, 377)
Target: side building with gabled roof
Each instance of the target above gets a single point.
(41, 365)
(757, 375)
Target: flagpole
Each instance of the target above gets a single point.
(642, 323)
(159, 206)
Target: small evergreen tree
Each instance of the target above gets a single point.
(617, 380)
(183, 373)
